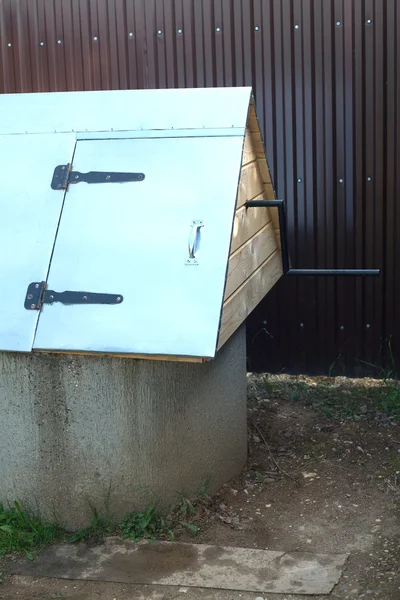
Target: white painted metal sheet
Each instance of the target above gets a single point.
(124, 110)
(29, 215)
(132, 239)
(159, 133)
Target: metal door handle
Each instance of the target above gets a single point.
(193, 242)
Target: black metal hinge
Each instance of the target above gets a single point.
(63, 176)
(38, 294)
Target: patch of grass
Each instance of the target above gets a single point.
(21, 531)
(378, 399)
(390, 400)
(149, 523)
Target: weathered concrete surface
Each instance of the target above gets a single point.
(193, 565)
(71, 426)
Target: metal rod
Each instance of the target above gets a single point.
(280, 205)
(284, 238)
(268, 203)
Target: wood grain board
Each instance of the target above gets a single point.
(255, 263)
(249, 257)
(247, 223)
(238, 306)
(249, 153)
(250, 183)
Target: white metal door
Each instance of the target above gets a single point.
(132, 239)
(29, 216)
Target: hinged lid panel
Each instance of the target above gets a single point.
(29, 216)
(125, 110)
(162, 243)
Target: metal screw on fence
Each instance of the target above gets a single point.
(159, 32)
(296, 26)
(180, 31)
(256, 28)
(59, 41)
(95, 38)
(41, 44)
(9, 45)
(299, 180)
(369, 178)
(341, 180)
(368, 21)
(130, 34)
(338, 24)
(218, 29)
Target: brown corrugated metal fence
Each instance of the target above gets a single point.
(326, 79)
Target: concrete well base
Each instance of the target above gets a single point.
(74, 427)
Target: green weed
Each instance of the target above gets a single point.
(23, 532)
(101, 525)
(184, 510)
(137, 525)
(148, 524)
(191, 527)
(203, 489)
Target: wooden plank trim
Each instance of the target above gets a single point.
(269, 193)
(278, 236)
(246, 224)
(250, 183)
(249, 154)
(258, 144)
(264, 171)
(249, 257)
(237, 308)
(168, 357)
(252, 121)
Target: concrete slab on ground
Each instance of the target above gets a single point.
(191, 565)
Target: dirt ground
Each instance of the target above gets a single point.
(320, 477)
